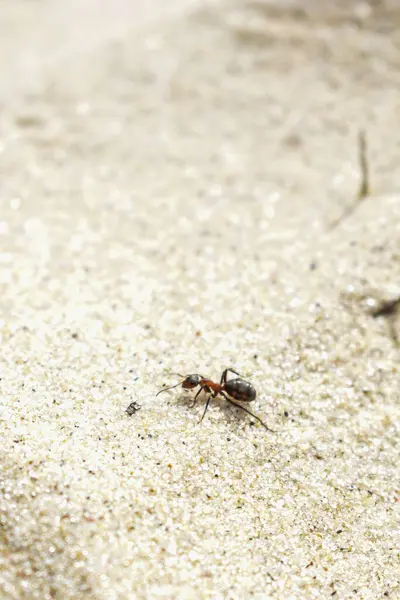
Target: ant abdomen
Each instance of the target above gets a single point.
(241, 390)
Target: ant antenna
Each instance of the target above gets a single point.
(169, 388)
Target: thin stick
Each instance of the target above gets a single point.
(364, 189)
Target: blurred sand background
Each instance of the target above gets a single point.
(170, 175)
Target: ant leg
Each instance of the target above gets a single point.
(206, 408)
(248, 412)
(224, 374)
(195, 398)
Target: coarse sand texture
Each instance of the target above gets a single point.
(179, 194)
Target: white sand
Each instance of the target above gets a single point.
(167, 181)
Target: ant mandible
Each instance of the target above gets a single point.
(237, 388)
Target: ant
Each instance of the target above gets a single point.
(237, 388)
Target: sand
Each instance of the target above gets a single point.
(172, 182)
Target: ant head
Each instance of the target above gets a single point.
(191, 381)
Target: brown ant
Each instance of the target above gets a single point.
(237, 388)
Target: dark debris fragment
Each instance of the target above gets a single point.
(387, 308)
(133, 408)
